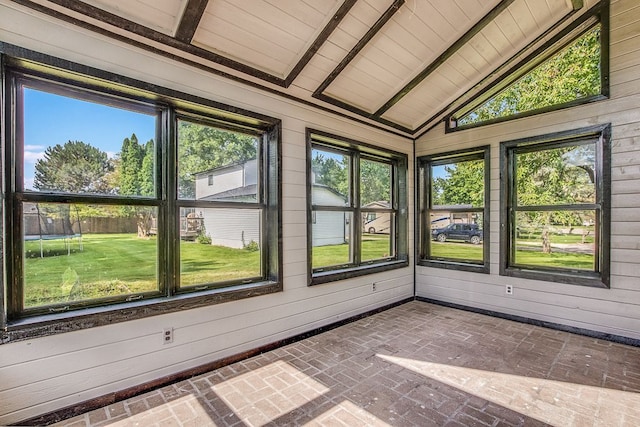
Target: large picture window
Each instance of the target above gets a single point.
(454, 202)
(555, 207)
(357, 208)
(112, 198)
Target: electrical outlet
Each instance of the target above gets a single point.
(509, 290)
(167, 335)
(373, 287)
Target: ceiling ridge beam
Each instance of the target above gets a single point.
(466, 37)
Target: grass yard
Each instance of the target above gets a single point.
(456, 250)
(569, 260)
(121, 264)
(536, 236)
(533, 256)
(374, 246)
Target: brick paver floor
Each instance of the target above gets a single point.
(417, 364)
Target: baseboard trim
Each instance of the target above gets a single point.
(98, 402)
(556, 326)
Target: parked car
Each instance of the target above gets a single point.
(467, 232)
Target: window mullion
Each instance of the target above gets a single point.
(166, 185)
(356, 226)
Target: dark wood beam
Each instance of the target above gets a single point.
(381, 22)
(488, 18)
(499, 71)
(319, 41)
(190, 20)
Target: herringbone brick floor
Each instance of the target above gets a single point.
(414, 365)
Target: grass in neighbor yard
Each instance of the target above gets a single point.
(121, 264)
(374, 246)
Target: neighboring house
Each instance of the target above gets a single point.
(329, 228)
(236, 228)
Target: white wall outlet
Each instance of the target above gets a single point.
(509, 290)
(374, 287)
(167, 335)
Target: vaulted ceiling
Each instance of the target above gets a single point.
(398, 64)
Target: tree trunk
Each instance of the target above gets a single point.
(546, 243)
(144, 223)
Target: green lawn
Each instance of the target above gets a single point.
(570, 260)
(456, 250)
(121, 264)
(536, 236)
(374, 246)
(532, 256)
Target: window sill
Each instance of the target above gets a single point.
(455, 265)
(586, 278)
(346, 273)
(46, 325)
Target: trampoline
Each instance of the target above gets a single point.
(52, 224)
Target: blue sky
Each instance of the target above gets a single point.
(53, 119)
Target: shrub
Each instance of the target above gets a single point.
(252, 246)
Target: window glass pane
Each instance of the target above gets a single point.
(83, 252)
(375, 184)
(80, 147)
(329, 178)
(456, 235)
(459, 185)
(556, 176)
(571, 74)
(377, 229)
(331, 234)
(218, 245)
(560, 239)
(216, 164)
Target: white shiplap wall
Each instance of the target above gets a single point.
(41, 375)
(615, 310)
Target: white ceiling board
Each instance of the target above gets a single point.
(482, 53)
(160, 15)
(401, 54)
(250, 31)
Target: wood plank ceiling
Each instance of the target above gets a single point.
(398, 64)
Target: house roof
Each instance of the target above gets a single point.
(247, 190)
(250, 190)
(219, 169)
(402, 65)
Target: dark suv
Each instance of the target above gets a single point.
(467, 232)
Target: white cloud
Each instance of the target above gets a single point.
(32, 156)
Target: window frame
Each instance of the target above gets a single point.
(53, 75)
(597, 15)
(601, 136)
(399, 207)
(425, 182)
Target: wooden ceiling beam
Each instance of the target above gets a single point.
(486, 20)
(190, 20)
